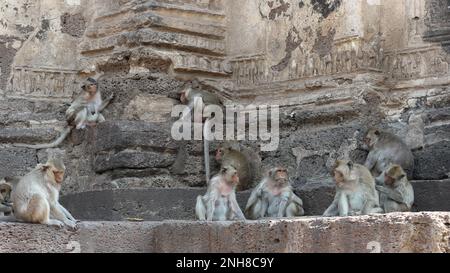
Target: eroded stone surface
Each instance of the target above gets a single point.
(408, 232)
(178, 204)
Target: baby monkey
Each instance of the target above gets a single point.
(273, 197)
(397, 194)
(355, 191)
(219, 203)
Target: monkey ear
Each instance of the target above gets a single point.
(401, 176)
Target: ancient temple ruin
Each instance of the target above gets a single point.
(335, 68)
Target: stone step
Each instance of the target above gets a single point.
(180, 41)
(391, 233)
(178, 204)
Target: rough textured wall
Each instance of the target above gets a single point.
(335, 68)
(39, 72)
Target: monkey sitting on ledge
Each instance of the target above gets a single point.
(385, 149)
(84, 111)
(219, 203)
(35, 198)
(355, 191)
(273, 197)
(397, 194)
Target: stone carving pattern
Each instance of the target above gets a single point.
(44, 82)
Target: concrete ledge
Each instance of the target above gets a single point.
(178, 204)
(397, 232)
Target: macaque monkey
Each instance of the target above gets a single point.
(245, 164)
(5, 198)
(84, 111)
(355, 191)
(274, 198)
(397, 194)
(35, 198)
(385, 149)
(219, 203)
(198, 99)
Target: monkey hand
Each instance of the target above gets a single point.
(380, 188)
(111, 97)
(71, 224)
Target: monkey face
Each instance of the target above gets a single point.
(184, 95)
(393, 174)
(59, 175)
(5, 193)
(91, 89)
(280, 176)
(55, 171)
(388, 181)
(342, 170)
(183, 98)
(371, 137)
(230, 174)
(338, 178)
(221, 153)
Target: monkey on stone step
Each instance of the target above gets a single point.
(219, 203)
(84, 111)
(35, 198)
(397, 194)
(274, 197)
(355, 191)
(199, 99)
(385, 149)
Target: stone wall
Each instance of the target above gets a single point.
(335, 68)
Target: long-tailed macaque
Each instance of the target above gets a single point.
(35, 198)
(198, 99)
(84, 111)
(5, 198)
(385, 149)
(248, 165)
(273, 197)
(219, 203)
(397, 194)
(355, 191)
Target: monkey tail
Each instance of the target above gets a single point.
(54, 144)
(206, 150)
